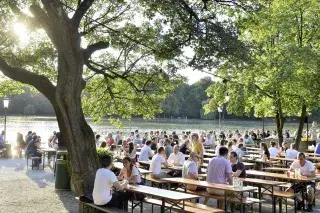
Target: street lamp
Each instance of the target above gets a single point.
(5, 106)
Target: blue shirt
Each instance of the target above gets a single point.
(1, 140)
(317, 149)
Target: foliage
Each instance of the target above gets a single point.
(283, 65)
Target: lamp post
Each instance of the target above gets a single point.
(5, 106)
(219, 110)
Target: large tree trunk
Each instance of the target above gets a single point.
(301, 125)
(280, 122)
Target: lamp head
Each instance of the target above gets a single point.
(6, 102)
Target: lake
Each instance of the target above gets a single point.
(44, 126)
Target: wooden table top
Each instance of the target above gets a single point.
(271, 161)
(262, 182)
(253, 148)
(48, 149)
(161, 193)
(119, 165)
(277, 176)
(209, 185)
(209, 154)
(312, 154)
(211, 150)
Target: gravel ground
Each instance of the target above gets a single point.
(24, 190)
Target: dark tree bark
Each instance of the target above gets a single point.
(66, 95)
(280, 122)
(301, 125)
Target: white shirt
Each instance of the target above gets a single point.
(102, 193)
(134, 172)
(189, 167)
(239, 153)
(306, 168)
(145, 153)
(292, 153)
(133, 154)
(176, 159)
(156, 162)
(273, 152)
(208, 141)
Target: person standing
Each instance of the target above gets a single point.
(109, 140)
(196, 145)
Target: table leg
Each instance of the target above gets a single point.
(225, 202)
(163, 205)
(273, 201)
(241, 205)
(259, 191)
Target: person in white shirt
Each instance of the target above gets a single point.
(190, 169)
(307, 169)
(273, 150)
(239, 152)
(131, 152)
(146, 152)
(208, 141)
(105, 180)
(222, 143)
(176, 158)
(292, 153)
(129, 172)
(156, 163)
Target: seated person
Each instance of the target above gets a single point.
(190, 169)
(184, 147)
(167, 147)
(156, 163)
(307, 169)
(146, 152)
(219, 171)
(32, 149)
(131, 152)
(273, 150)
(129, 172)
(177, 159)
(103, 144)
(104, 181)
(238, 168)
(292, 153)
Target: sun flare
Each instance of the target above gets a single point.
(22, 33)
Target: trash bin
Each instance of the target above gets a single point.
(62, 175)
(62, 154)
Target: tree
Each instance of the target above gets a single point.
(283, 64)
(98, 55)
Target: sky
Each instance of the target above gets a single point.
(193, 75)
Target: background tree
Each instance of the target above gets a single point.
(283, 65)
(111, 57)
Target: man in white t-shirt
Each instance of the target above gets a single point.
(146, 152)
(273, 150)
(292, 153)
(156, 163)
(104, 181)
(307, 170)
(176, 158)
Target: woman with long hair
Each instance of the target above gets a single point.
(129, 172)
(265, 155)
(131, 152)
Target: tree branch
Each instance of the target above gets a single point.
(80, 12)
(93, 48)
(40, 82)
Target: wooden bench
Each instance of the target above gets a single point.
(245, 200)
(189, 206)
(85, 206)
(155, 182)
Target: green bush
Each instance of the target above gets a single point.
(100, 151)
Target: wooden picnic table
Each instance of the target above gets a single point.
(47, 151)
(211, 150)
(253, 148)
(278, 176)
(176, 199)
(209, 154)
(312, 154)
(246, 164)
(234, 191)
(267, 185)
(271, 161)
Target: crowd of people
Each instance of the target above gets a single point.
(167, 150)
